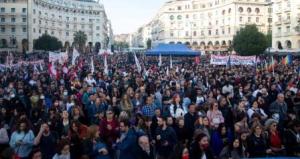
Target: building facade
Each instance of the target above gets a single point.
(207, 25)
(23, 21)
(286, 24)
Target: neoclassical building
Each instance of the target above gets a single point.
(22, 21)
(286, 24)
(208, 24)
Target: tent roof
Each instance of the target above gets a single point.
(171, 50)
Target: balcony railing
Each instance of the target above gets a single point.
(287, 21)
(278, 23)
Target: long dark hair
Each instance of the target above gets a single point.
(19, 124)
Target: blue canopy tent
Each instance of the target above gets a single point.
(171, 50)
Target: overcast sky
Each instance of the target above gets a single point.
(127, 15)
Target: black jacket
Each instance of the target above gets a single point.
(141, 154)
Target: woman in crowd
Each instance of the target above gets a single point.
(63, 150)
(257, 144)
(176, 109)
(200, 148)
(274, 139)
(214, 115)
(126, 104)
(76, 134)
(94, 147)
(232, 150)
(22, 139)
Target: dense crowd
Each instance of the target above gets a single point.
(190, 111)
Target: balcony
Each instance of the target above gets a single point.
(278, 23)
(287, 21)
(287, 9)
(277, 35)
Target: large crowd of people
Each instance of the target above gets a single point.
(190, 111)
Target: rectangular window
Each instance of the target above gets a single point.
(2, 19)
(13, 20)
(186, 33)
(2, 29)
(249, 19)
(68, 18)
(82, 19)
(209, 32)
(2, 10)
(40, 31)
(75, 19)
(24, 10)
(257, 19)
(52, 32)
(67, 33)
(34, 21)
(34, 11)
(288, 29)
(241, 19)
(40, 13)
(90, 20)
(90, 26)
(67, 26)
(82, 26)
(34, 30)
(13, 10)
(23, 19)
(24, 30)
(98, 28)
(13, 29)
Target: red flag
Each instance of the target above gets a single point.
(197, 59)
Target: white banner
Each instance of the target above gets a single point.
(242, 60)
(60, 57)
(219, 60)
(233, 60)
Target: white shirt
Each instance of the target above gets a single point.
(178, 113)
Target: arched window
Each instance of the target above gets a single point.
(179, 17)
(172, 17)
(249, 10)
(241, 10)
(257, 10)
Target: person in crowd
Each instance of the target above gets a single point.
(274, 138)
(148, 110)
(4, 139)
(200, 148)
(176, 108)
(22, 140)
(109, 128)
(232, 150)
(292, 136)
(255, 109)
(63, 150)
(126, 104)
(214, 115)
(76, 134)
(145, 149)
(257, 144)
(126, 143)
(45, 139)
(36, 154)
(190, 119)
(165, 139)
(279, 107)
(93, 146)
(202, 124)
